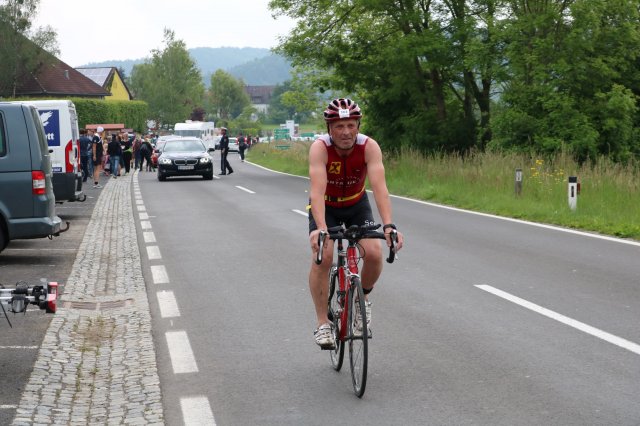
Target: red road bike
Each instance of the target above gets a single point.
(346, 299)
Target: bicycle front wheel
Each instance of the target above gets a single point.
(358, 338)
(335, 314)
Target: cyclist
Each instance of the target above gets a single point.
(339, 163)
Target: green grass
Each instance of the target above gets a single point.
(609, 201)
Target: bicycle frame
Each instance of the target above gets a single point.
(347, 264)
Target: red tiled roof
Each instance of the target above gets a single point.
(55, 78)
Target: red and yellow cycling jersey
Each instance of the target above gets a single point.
(345, 175)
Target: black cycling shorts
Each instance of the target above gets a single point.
(358, 214)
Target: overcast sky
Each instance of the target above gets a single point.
(98, 30)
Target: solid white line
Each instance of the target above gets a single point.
(245, 189)
(300, 212)
(618, 341)
(153, 253)
(168, 304)
(182, 359)
(19, 347)
(145, 224)
(159, 274)
(197, 411)
(143, 216)
(149, 237)
(520, 221)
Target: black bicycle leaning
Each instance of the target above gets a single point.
(346, 301)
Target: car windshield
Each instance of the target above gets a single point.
(183, 146)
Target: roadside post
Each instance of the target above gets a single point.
(518, 182)
(573, 192)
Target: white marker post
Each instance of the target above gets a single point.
(573, 192)
(518, 182)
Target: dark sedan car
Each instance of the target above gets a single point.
(184, 157)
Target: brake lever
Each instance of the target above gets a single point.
(321, 237)
(392, 249)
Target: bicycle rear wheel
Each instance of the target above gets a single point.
(335, 312)
(358, 339)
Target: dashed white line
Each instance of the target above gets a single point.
(300, 212)
(153, 253)
(144, 216)
(245, 189)
(197, 411)
(168, 304)
(618, 341)
(19, 347)
(149, 237)
(182, 359)
(159, 274)
(145, 224)
(141, 208)
(10, 407)
(139, 202)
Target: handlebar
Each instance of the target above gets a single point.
(354, 234)
(44, 296)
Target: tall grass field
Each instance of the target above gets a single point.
(608, 202)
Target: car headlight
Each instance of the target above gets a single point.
(205, 160)
(164, 160)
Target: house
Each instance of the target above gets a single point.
(55, 78)
(260, 96)
(110, 79)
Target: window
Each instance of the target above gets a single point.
(3, 144)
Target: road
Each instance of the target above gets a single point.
(31, 261)
(482, 321)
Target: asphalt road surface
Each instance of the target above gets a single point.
(482, 321)
(31, 261)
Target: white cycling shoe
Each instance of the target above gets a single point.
(324, 336)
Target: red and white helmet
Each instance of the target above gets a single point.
(342, 109)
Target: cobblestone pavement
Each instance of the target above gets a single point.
(97, 363)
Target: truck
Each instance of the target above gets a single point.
(60, 122)
(27, 201)
(204, 130)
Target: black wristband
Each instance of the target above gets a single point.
(388, 225)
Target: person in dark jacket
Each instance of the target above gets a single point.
(224, 150)
(145, 154)
(85, 154)
(114, 149)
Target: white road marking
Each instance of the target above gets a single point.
(197, 411)
(153, 253)
(8, 407)
(144, 216)
(300, 212)
(19, 347)
(618, 341)
(182, 359)
(168, 304)
(145, 224)
(245, 189)
(139, 202)
(141, 208)
(149, 237)
(159, 274)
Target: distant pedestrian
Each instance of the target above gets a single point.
(242, 146)
(85, 154)
(96, 156)
(136, 152)
(127, 153)
(115, 152)
(224, 151)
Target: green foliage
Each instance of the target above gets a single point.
(169, 82)
(227, 97)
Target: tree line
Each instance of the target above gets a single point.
(460, 75)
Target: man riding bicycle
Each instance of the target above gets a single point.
(339, 163)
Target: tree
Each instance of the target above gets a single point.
(22, 50)
(227, 96)
(169, 82)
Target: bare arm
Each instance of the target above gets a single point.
(318, 176)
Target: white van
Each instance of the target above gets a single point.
(60, 123)
(204, 130)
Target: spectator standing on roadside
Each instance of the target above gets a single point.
(85, 154)
(127, 153)
(96, 156)
(115, 152)
(224, 151)
(145, 154)
(242, 146)
(136, 152)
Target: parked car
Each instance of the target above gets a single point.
(27, 201)
(184, 157)
(233, 144)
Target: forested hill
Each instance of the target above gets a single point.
(255, 66)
